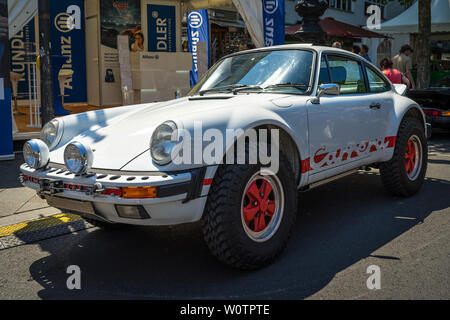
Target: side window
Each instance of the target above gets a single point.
(348, 74)
(324, 77)
(376, 83)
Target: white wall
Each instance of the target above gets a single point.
(357, 17)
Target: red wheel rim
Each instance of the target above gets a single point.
(413, 158)
(410, 157)
(259, 205)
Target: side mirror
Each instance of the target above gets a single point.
(331, 89)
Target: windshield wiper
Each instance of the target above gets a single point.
(235, 88)
(278, 85)
(288, 85)
(245, 87)
(219, 89)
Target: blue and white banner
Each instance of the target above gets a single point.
(273, 21)
(6, 138)
(198, 33)
(68, 40)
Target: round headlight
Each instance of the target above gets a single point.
(51, 133)
(78, 157)
(162, 143)
(36, 153)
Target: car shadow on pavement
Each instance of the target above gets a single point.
(339, 224)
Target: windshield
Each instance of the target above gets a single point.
(288, 71)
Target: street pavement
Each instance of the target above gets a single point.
(343, 228)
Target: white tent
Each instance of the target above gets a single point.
(20, 12)
(408, 21)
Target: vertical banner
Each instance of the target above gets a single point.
(6, 139)
(68, 40)
(161, 28)
(21, 44)
(273, 17)
(198, 33)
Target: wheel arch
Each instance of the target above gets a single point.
(414, 111)
(288, 144)
(411, 111)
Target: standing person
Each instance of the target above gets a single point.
(393, 74)
(356, 49)
(403, 63)
(365, 52)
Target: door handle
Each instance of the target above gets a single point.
(375, 105)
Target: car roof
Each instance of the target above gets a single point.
(304, 46)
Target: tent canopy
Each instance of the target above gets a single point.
(20, 12)
(408, 21)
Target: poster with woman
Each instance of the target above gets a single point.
(119, 17)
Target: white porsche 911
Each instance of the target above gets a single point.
(329, 112)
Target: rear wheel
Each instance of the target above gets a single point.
(405, 173)
(250, 214)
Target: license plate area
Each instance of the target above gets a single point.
(71, 205)
(50, 187)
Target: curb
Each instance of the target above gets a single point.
(40, 229)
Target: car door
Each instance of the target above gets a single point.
(341, 127)
(382, 98)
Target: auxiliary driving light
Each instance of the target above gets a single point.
(36, 153)
(78, 157)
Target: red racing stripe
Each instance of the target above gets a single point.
(392, 141)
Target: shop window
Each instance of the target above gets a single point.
(344, 5)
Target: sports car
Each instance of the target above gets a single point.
(260, 126)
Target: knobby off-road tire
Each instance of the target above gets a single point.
(238, 242)
(404, 174)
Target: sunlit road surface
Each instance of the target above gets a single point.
(343, 228)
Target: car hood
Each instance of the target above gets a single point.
(117, 142)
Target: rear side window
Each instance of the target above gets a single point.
(348, 74)
(376, 83)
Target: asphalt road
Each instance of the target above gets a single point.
(343, 228)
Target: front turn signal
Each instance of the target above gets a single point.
(139, 192)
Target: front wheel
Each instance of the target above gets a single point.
(250, 214)
(405, 173)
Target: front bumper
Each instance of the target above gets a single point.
(181, 197)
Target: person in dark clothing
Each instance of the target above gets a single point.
(356, 49)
